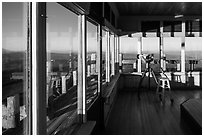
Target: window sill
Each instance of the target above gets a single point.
(110, 86)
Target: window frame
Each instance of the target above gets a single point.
(39, 124)
(27, 69)
(99, 56)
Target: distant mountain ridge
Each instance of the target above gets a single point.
(5, 51)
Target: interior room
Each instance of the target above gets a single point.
(101, 68)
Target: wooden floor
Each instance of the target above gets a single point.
(148, 116)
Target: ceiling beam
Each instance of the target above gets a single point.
(159, 18)
(133, 23)
(114, 9)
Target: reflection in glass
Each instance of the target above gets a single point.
(14, 68)
(92, 73)
(62, 54)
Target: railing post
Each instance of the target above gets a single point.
(63, 84)
(74, 78)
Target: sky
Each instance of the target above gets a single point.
(151, 44)
(62, 28)
(13, 26)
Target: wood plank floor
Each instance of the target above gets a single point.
(148, 116)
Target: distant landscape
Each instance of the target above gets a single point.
(190, 55)
(11, 62)
(170, 55)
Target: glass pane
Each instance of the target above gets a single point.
(193, 28)
(193, 50)
(104, 50)
(128, 47)
(92, 73)
(62, 58)
(151, 46)
(14, 68)
(172, 51)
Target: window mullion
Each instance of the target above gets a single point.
(34, 63)
(108, 57)
(39, 68)
(81, 93)
(29, 71)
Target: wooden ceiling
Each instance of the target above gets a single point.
(159, 8)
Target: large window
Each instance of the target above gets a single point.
(172, 51)
(193, 28)
(151, 46)
(128, 49)
(92, 72)
(193, 52)
(62, 58)
(15, 69)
